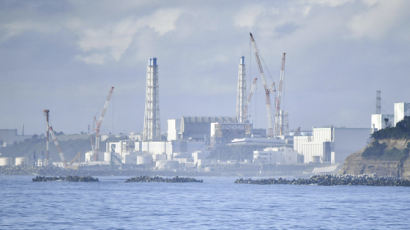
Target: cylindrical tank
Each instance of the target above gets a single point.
(20, 161)
(5, 161)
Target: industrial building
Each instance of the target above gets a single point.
(194, 128)
(379, 120)
(401, 109)
(276, 156)
(222, 133)
(330, 144)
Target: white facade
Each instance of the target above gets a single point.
(401, 110)
(298, 142)
(283, 156)
(174, 129)
(5, 161)
(20, 161)
(331, 144)
(152, 129)
(316, 152)
(381, 121)
(157, 147)
(322, 134)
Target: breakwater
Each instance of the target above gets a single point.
(65, 178)
(331, 180)
(147, 179)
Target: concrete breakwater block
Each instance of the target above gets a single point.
(66, 178)
(330, 180)
(148, 179)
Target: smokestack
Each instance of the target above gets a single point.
(152, 129)
(241, 92)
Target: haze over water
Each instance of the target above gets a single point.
(217, 203)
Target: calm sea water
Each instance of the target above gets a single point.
(218, 203)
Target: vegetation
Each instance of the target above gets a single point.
(35, 148)
(375, 149)
(382, 152)
(401, 131)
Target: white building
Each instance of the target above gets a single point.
(123, 151)
(331, 145)
(222, 133)
(282, 155)
(174, 129)
(401, 110)
(381, 121)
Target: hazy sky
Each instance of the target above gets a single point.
(65, 55)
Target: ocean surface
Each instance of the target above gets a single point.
(217, 203)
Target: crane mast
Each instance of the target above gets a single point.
(279, 123)
(96, 148)
(265, 86)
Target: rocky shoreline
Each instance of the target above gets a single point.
(66, 178)
(331, 180)
(148, 179)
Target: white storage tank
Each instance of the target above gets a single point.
(5, 161)
(20, 161)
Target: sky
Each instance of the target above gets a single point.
(65, 55)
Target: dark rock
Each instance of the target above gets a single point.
(67, 178)
(331, 180)
(148, 179)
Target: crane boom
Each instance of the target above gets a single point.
(265, 86)
(278, 115)
(99, 122)
(60, 152)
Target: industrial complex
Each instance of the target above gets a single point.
(209, 143)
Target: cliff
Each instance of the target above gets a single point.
(386, 155)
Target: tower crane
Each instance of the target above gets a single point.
(96, 148)
(279, 113)
(266, 88)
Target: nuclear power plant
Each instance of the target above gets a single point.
(220, 143)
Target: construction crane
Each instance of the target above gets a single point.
(251, 92)
(96, 148)
(266, 88)
(60, 152)
(279, 113)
